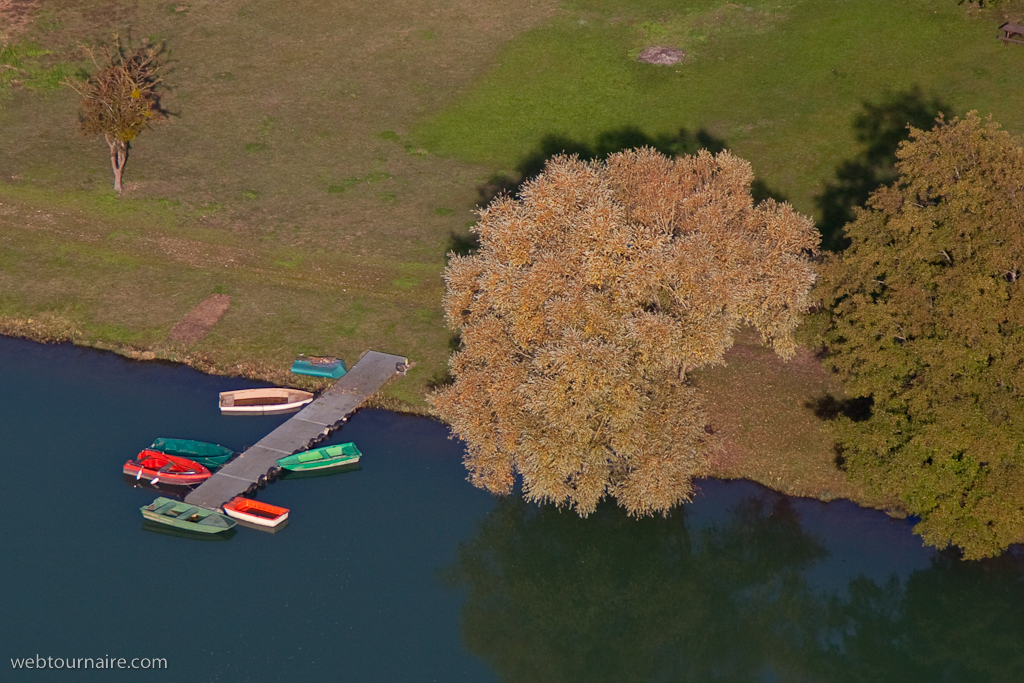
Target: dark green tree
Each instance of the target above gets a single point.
(925, 315)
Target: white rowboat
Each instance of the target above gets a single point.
(270, 401)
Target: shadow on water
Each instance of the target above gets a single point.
(609, 142)
(176, 491)
(164, 530)
(264, 529)
(954, 621)
(879, 129)
(289, 475)
(609, 598)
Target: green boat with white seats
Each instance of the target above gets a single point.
(186, 516)
(327, 457)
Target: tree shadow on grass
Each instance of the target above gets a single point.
(462, 243)
(828, 407)
(609, 142)
(444, 378)
(879, 129)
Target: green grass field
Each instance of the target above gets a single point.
(778, 82)
(321, 159)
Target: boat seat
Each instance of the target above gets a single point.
(165, 508)
(185, 514)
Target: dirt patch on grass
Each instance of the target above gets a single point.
(15, 16)
(661, 55)
(200, 319)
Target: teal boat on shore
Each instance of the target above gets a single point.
(323, 458)
(319, 367)
(186, 516)
(207, 454)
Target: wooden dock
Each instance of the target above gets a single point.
(303, 430)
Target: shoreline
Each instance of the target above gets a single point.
(53, 330)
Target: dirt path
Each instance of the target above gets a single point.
(197, 322)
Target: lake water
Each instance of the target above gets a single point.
(402, 571)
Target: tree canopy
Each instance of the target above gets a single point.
(927, 318)
(593, 294)
(119, 101)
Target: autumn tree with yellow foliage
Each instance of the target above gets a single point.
(119, 101)
(594, 293)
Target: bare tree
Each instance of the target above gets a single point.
(119, 101)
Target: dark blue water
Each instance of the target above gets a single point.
(402, 571)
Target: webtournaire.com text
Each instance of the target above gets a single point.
(105, 662)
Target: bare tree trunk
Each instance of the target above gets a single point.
(118, 156)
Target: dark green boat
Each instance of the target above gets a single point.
(186, 516)
(208, 454)
(321, 458)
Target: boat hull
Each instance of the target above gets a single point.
(187, 517)
(327, 457)
(332, 368)
(167, 530)
(269, 401)
(153, 466)
(255, 512)
(291, 475)
(264, 410)
(206, 454)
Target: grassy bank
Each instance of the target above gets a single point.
(321, 160)
(283, 178)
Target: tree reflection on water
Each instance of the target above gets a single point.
(552, 597)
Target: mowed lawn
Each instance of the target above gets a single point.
(779, 82)
(321, 158)
(282, 178)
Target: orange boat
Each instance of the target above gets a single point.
(255, 512)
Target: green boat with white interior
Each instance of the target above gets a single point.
(323, 458)
(207, 454)
(186, 516)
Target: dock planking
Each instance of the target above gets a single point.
(302, 431)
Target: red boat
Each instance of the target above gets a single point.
(170, 469)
